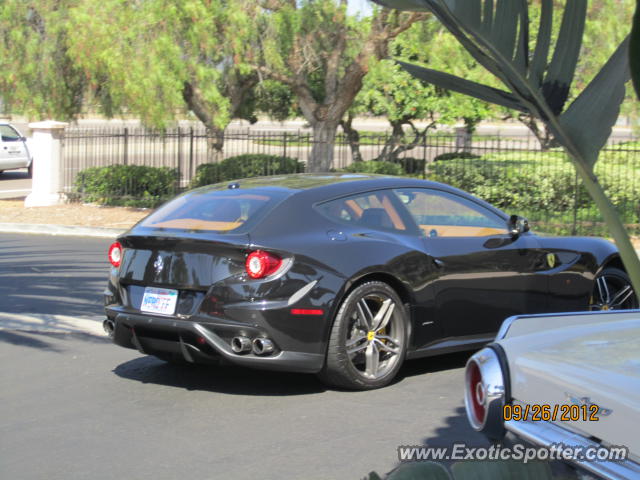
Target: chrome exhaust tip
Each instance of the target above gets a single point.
(109, 327)
(262, 346)
(240, 344)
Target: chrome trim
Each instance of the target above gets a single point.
(241, 344)
(262, 346)
(586, 401)
(109, 327)
(506, 324)
(546, 434)
(491, 394)
(297, 296)
(504, 328)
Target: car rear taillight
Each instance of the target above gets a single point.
(476, 393)
(487, 391)
(115, 254)
(260, 264)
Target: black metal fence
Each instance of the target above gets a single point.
(510, 172)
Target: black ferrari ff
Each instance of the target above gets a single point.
(342, 275)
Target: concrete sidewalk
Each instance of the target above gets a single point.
(64, 230)
(43, 323)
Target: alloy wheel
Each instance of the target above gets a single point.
(375, 336)
(612, 291)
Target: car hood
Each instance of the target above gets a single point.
(598, 363)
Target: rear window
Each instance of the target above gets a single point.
(213, 211)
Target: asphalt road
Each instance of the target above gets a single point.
(55, 275)
(14, 184)
(75, 406)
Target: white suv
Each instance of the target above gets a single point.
(13, 149)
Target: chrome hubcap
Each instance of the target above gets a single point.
(612, 293)
(375, 336)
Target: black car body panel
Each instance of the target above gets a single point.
(457, 290)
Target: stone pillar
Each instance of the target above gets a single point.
(46, 150)
(463, 140)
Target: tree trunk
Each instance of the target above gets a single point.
(540, 130)
(353, 137)
(215, 143)
(324, 138)
(389, 153)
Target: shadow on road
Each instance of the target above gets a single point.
(221, 379)
(422, 366)
(236, 380)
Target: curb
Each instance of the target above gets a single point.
(64, 230)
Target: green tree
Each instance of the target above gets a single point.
(390, 92)
(322, 54)
(156, 58)
(38, 76)
(497, 36)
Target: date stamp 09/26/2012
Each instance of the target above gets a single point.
(553, 413)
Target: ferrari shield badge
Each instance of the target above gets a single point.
(551, 260)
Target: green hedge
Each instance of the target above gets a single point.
(245, 166)
(454, 156)
(374, 166)
(546, 184)
(127, 185)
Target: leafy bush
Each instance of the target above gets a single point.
(127, 185)
(412, 166)
(374, 166)
(245, 166)
(546, 188)
(454, 155)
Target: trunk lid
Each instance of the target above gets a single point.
(191, 262)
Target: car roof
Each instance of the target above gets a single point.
(335, 183)
(313, 188)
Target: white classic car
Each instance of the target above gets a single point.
(13, 149)
(564, 379)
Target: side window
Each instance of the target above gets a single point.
(440, 214)
(9, 134)
(373, 210)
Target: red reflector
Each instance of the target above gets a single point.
(201, 340)
(306, 311)
(115, 254)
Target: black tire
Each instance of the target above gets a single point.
(612, 290)
(376, 354)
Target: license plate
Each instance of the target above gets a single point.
(159, 300)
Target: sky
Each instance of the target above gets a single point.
(362, 7)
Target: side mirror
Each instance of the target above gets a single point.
(517, 225)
